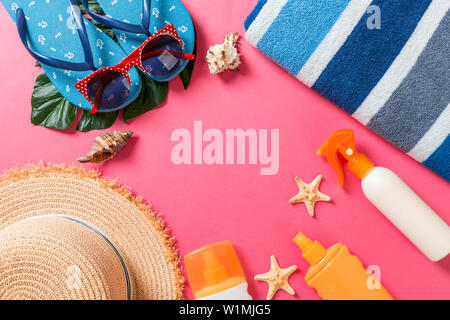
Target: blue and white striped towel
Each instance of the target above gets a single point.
(394, 79)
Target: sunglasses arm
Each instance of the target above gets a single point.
(178, 54)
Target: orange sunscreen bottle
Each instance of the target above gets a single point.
(215, 273)
(338, 275)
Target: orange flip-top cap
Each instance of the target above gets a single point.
(211, 265)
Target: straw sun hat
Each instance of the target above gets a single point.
(67, 233)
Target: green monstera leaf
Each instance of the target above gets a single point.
(48, 107)
(93, 6)
(100, 120)
(153, 93)
(96, 8)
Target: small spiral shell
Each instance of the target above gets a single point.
(106, 146)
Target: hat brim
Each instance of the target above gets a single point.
(138, 232)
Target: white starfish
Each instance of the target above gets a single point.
(309, 194)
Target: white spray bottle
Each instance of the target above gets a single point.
(409, 213)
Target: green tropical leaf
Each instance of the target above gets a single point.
(48, 107)
(153, 93)
(100, 120)
(108, 31)
(186, 74)
(96, 8)
(93, 6)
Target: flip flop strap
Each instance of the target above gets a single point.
(124, 26)
(88, 63)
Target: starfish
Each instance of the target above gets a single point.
(309, 194)
(277, 278)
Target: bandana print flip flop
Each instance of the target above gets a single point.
(135, 20)
(70, 48)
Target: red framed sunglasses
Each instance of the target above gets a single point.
(159, 56)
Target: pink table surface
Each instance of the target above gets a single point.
(204, 204)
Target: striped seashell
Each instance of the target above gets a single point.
(106, 146)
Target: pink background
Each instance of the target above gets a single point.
(203, 204)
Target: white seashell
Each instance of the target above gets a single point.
(225, 56)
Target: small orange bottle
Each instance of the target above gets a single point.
(338, 275)
(215, 273)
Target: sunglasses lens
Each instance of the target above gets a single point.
(163, 64)
(109, 89)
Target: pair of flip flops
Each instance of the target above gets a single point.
(70, 47)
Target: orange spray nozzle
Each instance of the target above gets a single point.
(343, 142)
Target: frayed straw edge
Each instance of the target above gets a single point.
(172, 253)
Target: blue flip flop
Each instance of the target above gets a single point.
(56, 34)
(135, 20)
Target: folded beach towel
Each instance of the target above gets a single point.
(386, 62)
